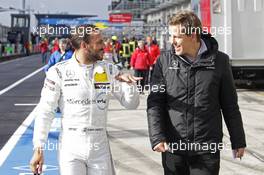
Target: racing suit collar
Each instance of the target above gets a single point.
(75, 61)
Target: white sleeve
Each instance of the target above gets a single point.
(127, 94)
(45, 110)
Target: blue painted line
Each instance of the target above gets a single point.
(17, 163)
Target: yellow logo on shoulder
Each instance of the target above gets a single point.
(100, 76)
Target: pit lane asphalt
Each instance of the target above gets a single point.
(128, 128)
(12, 116)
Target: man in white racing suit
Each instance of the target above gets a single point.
(81, 88)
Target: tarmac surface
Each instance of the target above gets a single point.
(127, 129)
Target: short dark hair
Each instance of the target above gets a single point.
(82, 33)
(189, 21)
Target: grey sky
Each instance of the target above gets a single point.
(89, 7)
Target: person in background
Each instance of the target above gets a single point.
(44, 50)
(140, 63)
(27, 47)
(153, 50)
(108, 50)
(69, 45)
(64, 53)
(132, 44)
(116, 49)
(125, 53)
(30, 47)
(56, 46)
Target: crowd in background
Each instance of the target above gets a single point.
(139, 55)
(17, 45)
(58, 50)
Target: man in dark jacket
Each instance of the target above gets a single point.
(192, 87)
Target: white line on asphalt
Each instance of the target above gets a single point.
(17, 59)
(20, 81)
(9, 146)
(25, 104)
(11, 143)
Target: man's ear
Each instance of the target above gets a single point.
(84, 45)
(194, 37)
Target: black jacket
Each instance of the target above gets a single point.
(186, 100)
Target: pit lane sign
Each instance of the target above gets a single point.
(120, 18)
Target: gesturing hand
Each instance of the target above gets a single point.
(125, 77)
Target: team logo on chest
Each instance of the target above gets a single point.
(70, 73)
(101, 79)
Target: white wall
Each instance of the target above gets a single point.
(248, 30)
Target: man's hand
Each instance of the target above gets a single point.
(127, 78)
(161, 147)
(37, 161)
(239, 153)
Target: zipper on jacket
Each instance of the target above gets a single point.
(187, 104)
(188, 69)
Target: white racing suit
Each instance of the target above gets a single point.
(82, 94)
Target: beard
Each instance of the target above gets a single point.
(94, 56)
